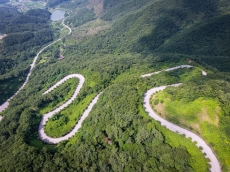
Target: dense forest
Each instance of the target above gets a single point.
(81, 17)
(112, 50)
(26, 33)
(53, 3)
(3, 1)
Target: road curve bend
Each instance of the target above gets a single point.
(215, 165)
(41, 130)
(63, 23)
(6, 103)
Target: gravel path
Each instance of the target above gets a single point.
(215, 165)
(6, 103)
(46, 117)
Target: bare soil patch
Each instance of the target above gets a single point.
(89, 29)
(97, 5)
(2, 36)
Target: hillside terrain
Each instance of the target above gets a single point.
(26, 33)
(113, 43)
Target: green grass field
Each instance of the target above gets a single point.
(176, 140)
(62, 123)
(200, 116)
(60, 95)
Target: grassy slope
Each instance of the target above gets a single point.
(176, 140)
(203, 115)
(142, 18)
(62, 123)
(128, 30)
(202, 32)
(59, 95)
(113, 60)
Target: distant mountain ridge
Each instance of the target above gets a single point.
(197, 28)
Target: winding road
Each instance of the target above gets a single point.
(6, 103)
(169, 69)
(215, 165)
(46, 116)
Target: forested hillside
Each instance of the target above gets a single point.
(112, 49)
(53, 3)
(3, 1)
(26, 33)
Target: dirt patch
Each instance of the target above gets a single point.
(94, 31)
(2, 36)
(97, 5)
(89, 29)
(160, 109)
(194, 127)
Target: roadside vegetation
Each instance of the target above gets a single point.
(58, 96)
(26, 33)
(112, 50)
(62, 123)
(202, 107)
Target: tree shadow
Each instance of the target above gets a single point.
(208, 7)
(167, 25)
